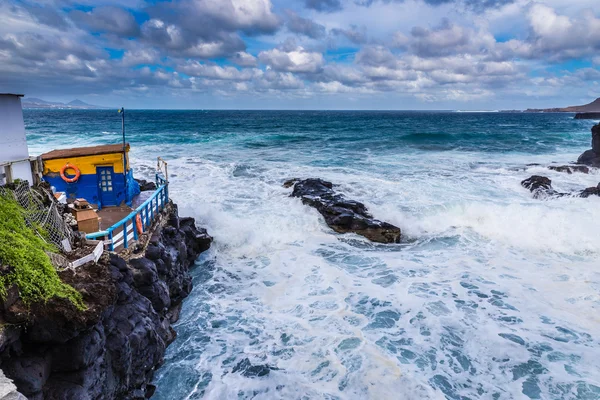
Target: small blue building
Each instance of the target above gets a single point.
(99, 174)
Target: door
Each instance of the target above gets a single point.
(108, 195)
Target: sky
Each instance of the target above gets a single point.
(303, 54)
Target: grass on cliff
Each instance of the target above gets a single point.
(24, 261)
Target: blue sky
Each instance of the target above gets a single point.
(303, 54)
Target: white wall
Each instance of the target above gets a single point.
(13, 144)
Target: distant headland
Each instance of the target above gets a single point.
(32, 102)
(593, 107)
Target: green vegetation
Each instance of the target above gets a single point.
(29, 267)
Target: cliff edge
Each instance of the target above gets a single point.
(53, 350)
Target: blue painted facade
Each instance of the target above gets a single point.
(105, 180)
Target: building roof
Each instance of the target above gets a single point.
(11, 94)
(85, 151)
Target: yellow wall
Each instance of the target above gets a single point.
(87, 164)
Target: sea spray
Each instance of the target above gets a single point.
(493, 294)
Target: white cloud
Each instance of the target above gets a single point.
(298, 60)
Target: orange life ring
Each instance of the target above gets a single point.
(138, 223)
(73, 167)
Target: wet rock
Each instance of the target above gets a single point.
(246, 368)
(569, 169)
(540, 186)
(29, 372)
(591, 191)
(592, 157)
(145, 185)
(341, 214)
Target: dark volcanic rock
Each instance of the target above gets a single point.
(341, 214)
(588, 115)
(540, 186)
(569, 169)
(145, 185)
(591, 191)
(111, 350)
(592, 157)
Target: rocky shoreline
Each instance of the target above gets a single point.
(541, 186)
(112, 349)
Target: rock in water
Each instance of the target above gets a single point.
(591, 191)
(592, 157)
(569, 169)
(540, 186)
(341, 214)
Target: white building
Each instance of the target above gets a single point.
(15, 162)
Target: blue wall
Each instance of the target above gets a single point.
(87, 187)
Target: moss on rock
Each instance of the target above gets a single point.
(25, 263)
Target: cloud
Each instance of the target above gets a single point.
(107, 19)
(227, 48)
(48, 15)
(448, 39)
(478, 6)
(354, 34)
(207, 28)
(244, 59)
(304, 26)
(324, 5)
(562, 37)
(140, 56)
(194, 68)
(297, 60)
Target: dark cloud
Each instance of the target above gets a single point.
(206, 28)
(324, 5)
(446, 39)
(107, 19)
(304, 26)
(475, 5)
(354, 34)
(48, 16)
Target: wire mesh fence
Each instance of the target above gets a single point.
(42, 214)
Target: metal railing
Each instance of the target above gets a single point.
(126, 230)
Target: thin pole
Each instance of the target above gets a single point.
(124, 154)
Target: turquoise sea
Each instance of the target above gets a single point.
(492, 294)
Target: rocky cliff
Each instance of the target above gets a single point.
(111, 350)
(592, 157)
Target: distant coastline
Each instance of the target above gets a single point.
(592, 107)
(76, 104)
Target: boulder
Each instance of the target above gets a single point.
(145, 185)
(541, 187)
(592, 157)
(591, 191)
(341, 214)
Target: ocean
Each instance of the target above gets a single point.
(491, 295)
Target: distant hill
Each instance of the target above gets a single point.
(594, 106)
(32, 102)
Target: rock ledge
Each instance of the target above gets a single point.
(341, 214)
